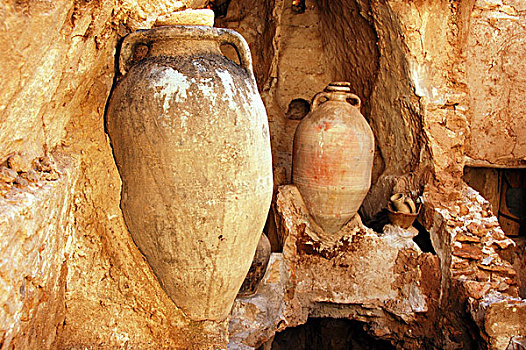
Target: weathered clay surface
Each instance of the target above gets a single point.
(52, 48)
(197, 177)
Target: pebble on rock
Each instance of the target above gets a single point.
(21, 182)
(7, 175)
(19, 163)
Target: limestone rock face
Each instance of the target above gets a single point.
(36, 225)
(496, 74)
(439, 81)
(315, 277)
(72, 272)
(501, 320)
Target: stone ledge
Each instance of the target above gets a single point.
(500, 318)
(35, 224)
(383, 280)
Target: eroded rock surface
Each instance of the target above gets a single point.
(360, 274)
(71, 275)
(440, 80)
(496, 75)
(36, 225)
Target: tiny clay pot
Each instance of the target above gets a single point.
(257, 269)
(402, 203)
(403, 220)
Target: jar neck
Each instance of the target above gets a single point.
(182, 47)
(338, 96)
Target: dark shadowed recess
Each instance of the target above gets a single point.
(327, 334)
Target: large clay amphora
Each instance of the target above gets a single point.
(333, 156)
(191, 140)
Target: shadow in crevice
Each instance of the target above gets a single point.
(423, 239)
(327, 334)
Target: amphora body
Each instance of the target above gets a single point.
(190, 137)
(333, 156)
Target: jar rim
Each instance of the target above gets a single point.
(339, 86)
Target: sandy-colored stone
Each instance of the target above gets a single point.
(57, 71)
(467, 251)
(500, 317)
(496, 75)
(19, 163)
(203, 17)
(36, 224)
(197, 230)
(7, 174)
(467, 238)
(314, 278)
(438, 79)
(477, 289)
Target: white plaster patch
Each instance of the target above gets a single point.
(228, 84)
(173, 86)
(418, 80)
(207, 88)
(419, 76)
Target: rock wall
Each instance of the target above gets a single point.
(409, 76)
(319, 276)
(437, 83)
(496, 76)
(71, 275)
(414, 75)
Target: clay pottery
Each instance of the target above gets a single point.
(402, 203)
(333, 156)
(257, 269)
(401, 219)
(190, 138)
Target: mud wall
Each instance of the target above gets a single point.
(404, 60)
(70, 275)
(436, 81)
(496, 76)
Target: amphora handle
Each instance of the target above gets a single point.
(334, 91)
(198, 33)
(319, 98)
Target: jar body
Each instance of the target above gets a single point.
(190, 137)
(258, 268)
(332, 161)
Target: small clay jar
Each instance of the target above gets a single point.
(402, 210)
(402, 203)
(257, 269)
(332, 157)
(403, 220)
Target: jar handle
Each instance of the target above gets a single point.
(146, 37)
(236, 40)
(355, 98)
(317, 99)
